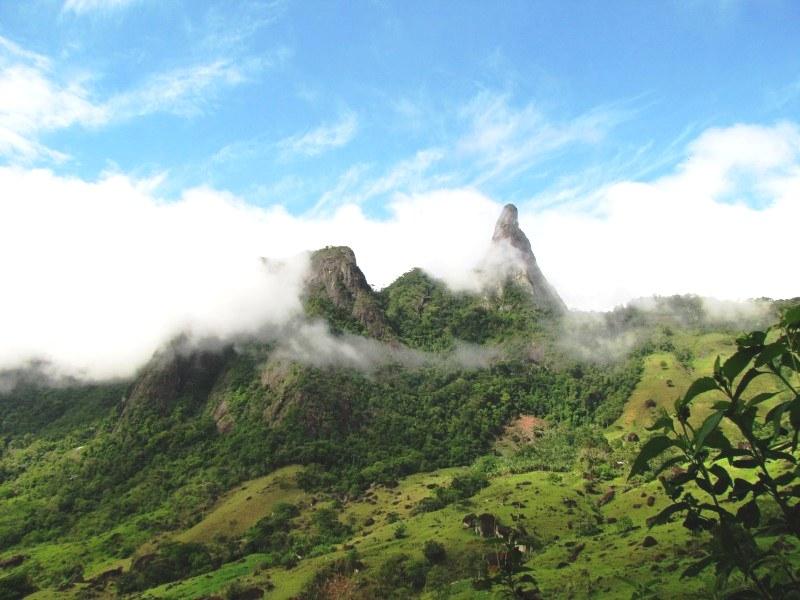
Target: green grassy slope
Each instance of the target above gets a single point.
(609, 553)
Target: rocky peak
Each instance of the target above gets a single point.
(335, 270)
(511, 257)
(507, 228)
(335, 276)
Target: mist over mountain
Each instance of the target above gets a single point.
(237, 440)
(399, 300)
(113, 271)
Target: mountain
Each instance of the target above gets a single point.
(236, 470)
(511, 258)
(337, 289)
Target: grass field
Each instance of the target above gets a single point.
(536, 500)
(243, 506)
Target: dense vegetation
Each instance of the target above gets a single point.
(97, 480)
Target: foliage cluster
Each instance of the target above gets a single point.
(461, 488)
(764, 451)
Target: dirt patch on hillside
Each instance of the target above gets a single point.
(523, 430)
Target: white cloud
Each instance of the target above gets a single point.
(505, 140)
(693, 231)
(184, 92)
(97, 274)
(312, 343)
(32, 100)
(87, 6)
(35, 99)
(321, 139)
(354, 188)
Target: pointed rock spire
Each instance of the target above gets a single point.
(514, 256)
(507, 228)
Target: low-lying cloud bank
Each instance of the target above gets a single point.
(97, 274)
(312, 343)
(609, 336)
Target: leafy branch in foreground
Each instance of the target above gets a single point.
(766, 450)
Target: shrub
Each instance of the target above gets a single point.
(624, 524)
(434, 552)
(172, 562)
(16, 586)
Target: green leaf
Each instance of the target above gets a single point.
(741, 487)
(732, 452)
(776, 412)
(794, 413)
(699, 386)
(709, 425)
(663, 422)
(748, 377)
(749, 514)
(717, 439)
(754, 338)
(736, 363)
(791, 318)
(723, 479)
(704, 485)
(759, 398)
(652, 448)
(696, 568)
(776, 455)
(771, 352)
(789, 361)
(723, 514)
(786, 478)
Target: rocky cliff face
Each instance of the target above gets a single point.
(511, 258)
(334, 278)
(176, 374)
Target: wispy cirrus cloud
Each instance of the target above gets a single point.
(354, 187)
(35, 98)
(504, 140)
(232, 25)
(488, 140)
(323, 138)
(80, 7)
(784, 96)
(185, 92)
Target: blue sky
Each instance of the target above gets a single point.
(316, 104)
(151, 150)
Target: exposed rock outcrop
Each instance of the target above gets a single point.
(511, 258)
(223, 418)
(178, 373)
(335, 277)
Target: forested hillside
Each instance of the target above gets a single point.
(267, 467)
